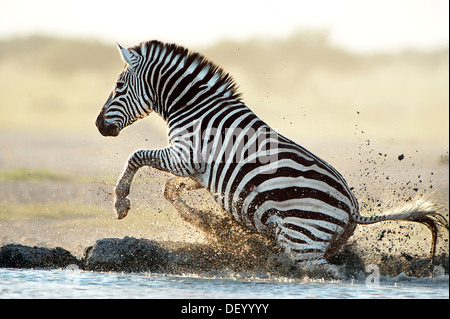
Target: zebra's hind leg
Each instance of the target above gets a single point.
(302, 252)
(308, 259)
(337, 243)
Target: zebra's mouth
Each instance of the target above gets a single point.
(110, 130)
(107, 129)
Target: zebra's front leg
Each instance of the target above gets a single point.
(152, 158)
(121, 203)
(172, 192)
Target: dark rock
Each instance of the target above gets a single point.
(128, 254)
(20, 256)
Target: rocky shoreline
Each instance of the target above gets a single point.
(131, 254)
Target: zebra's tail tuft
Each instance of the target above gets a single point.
(421, 210)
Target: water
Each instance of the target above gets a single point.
(32, 283)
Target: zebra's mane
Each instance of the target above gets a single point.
(223, 78)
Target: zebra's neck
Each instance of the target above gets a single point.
(177, 79)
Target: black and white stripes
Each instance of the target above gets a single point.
(265, 181)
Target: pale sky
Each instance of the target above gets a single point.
(358, 25)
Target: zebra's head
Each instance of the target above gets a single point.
(128, 101)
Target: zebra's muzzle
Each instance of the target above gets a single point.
(106, 129)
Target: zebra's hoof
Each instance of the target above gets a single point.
(122, 206)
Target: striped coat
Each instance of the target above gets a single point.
(265, 181)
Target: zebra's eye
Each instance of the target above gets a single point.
(120, 85)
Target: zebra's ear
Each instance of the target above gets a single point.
(128, 57)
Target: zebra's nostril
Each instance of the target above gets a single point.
(110, 130)
(106, 129)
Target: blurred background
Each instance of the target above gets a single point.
(360, 83)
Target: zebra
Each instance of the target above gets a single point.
(264, 181)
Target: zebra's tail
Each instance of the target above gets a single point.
(420, 210)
